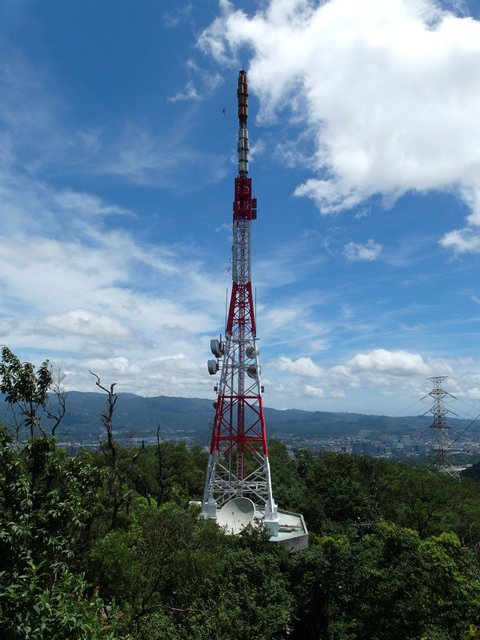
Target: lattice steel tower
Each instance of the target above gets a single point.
(441, 441)
(238, 472)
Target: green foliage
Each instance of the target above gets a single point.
(45, 505)
(29, 394)
(169, 472)
(178, 575)
(392, 555)
(336, 491)
(24, 389)
(21, 383)
(472, 472)
(31, 610)
(136, 565)
(391, 585)
(166, 573)
(45, 501)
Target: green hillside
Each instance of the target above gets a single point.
(109, 545)
(140, 416)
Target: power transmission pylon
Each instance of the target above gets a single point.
(441, 443)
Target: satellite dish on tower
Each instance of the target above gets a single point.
(236, 514)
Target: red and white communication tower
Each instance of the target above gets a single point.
(238, 487)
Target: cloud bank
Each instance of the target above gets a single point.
(388, 92)
(392, 375)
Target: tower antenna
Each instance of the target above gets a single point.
(238, 485)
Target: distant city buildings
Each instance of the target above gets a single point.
(366, 443)
(377, 445)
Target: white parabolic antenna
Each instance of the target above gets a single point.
(236, 514)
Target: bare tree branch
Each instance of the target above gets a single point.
(118, 475)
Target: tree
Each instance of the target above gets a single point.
(46, 499)
(118, 491)
(391, 585)
(27, 393)
(178, 576)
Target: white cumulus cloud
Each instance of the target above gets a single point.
(465, 240)
(314, 392)
(85, 323)
(394, 363)
(300, 367)
(388, 91)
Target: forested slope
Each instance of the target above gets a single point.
(106, 546)
(139, 417)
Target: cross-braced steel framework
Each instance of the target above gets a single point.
(441, 444)
(238, 464)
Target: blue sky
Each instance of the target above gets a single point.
(117, 163)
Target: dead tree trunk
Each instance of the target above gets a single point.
(119, 493)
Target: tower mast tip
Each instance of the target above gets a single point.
(243, 147)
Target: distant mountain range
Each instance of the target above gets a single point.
(138, 417)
